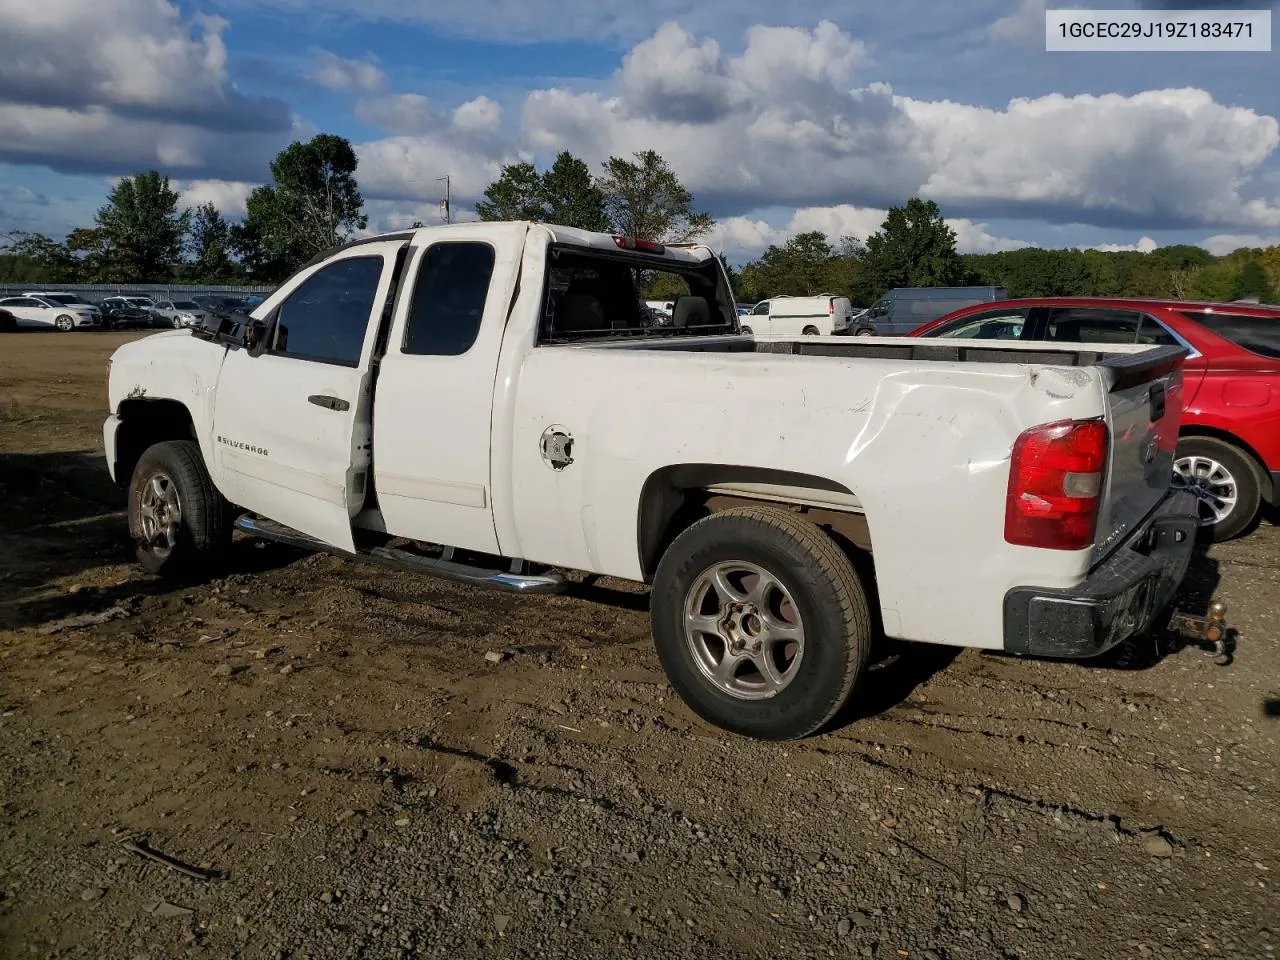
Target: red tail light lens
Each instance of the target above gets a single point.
(1055, 485)
(831, 307)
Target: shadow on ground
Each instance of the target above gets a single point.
(61, 518)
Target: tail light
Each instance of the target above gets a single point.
(1055, 485)
(831, 307)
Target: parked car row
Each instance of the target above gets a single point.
(67, 311)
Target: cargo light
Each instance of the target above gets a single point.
(644, 246)
(1055, 485)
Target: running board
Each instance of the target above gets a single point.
(510, 581)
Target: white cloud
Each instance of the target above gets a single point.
(130, 55)
(1144, 245)
(1026, 22)
(95, 139)
(1163, 156)
(228, 196)
(336, 73)
(1223, 243)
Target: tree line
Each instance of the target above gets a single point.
(313, 202)
(915, 247)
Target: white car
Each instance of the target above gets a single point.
(821, 316)
(55, 311)
(179, 313)
(485, 401)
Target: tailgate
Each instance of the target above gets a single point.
(1144, 410)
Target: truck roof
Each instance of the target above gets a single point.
(681, 252)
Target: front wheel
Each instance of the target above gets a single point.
(64, 324)
(177, 324)
(1224, 482)
(177, 517)
(747, 331)
(761, 623)
(864, 333)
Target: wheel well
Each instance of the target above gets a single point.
(676, 497)
(1259, 467)
(144, 423)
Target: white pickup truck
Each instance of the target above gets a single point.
(486, 402)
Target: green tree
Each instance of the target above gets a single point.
(143, 229)
(570, 196)
(914, 247)
(313, 203)
(210, 243)
(1214, 282)
(643, 198)
(517, 194)
(1252, 281)
(36, 258)
(97, 256)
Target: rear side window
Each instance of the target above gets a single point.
(1099, 325)
(448, 299)
(1260, 335)
(326, 317)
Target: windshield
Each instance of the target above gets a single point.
(1260, 335)
(186, 305)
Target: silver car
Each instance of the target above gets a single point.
(180, 313)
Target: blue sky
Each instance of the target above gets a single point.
(817, 118)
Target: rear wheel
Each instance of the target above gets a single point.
(864, 333)
(177, 518)
(760, 622)
(64, 324)
(1225, 484)
(810, 331)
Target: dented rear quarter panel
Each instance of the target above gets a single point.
(923, 446)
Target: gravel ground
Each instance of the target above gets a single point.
(327, 747)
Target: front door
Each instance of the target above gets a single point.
(291, 426)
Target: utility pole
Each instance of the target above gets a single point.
(444, 204)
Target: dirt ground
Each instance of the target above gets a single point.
(326, 744)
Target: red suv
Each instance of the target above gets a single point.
(1229, 445)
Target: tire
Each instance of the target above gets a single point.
(864, 333)
(64, 324)
(810, 331)
(815, 591)
(173, 474)
(1215, 470)
(176, 323)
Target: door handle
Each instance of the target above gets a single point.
(1155, 400)
(328, 402)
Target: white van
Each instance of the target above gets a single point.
(661, 306)
(819, 316)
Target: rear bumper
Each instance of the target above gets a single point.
(1119, 599)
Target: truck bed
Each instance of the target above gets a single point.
(1127, 364)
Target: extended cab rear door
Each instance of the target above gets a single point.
(291, 422)
(433, 420)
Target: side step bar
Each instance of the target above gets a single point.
(510, 581)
